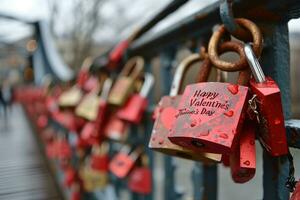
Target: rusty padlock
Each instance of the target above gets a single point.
(135, 106)
(272, 133)
(140, 179)
(166, 115)
(123, 162)
(243, 159)
(124, 84)
(210, 115)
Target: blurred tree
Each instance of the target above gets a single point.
(83, 23)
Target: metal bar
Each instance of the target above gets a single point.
(293, 132)
(170, 8)
(206, 18)
(276, 63)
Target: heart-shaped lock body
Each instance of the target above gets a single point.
(166, 115)
(124, 84)
(210, 114)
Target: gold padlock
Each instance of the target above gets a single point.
(70, 98)
(124, 84)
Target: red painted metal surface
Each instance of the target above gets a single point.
(243, 159)
(210, 116)
(272, 129)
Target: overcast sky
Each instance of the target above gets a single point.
(140, 10)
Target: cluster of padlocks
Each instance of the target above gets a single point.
(85, 127)
(217, 121)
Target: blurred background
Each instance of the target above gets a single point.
(80, 28)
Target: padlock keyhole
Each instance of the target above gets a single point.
(197, 144)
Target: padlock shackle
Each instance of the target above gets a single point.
(256, 69)
(180, 72)
(147, 85)
(87, 63)
(133, 67)
(106, 89)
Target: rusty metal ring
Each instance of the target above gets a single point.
(237, 47)
(214, 44)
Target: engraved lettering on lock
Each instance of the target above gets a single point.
(213, 104)
(185, 111)
(207, 95)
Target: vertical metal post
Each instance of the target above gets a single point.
(198, 182)
(166, 58)
(276, 63)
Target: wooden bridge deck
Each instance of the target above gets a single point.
(23, 171)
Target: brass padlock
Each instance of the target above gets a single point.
(89, 106)
(166, 115)
(124, 84)
(70, 98)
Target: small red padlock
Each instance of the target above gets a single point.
(91, 84)
(267, 97)
(64, 150)
(210, 115)
(75, 192)
(42, 121)
(99, 159)
(136, 105)
(70, 176)
(66, 119)
(89, 134)
(140, 179)
(116, 129)
(51, 150)
(243, 159)
(122, 163)
(117, 53)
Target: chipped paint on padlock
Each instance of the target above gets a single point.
(166, 112)
(210, 115)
